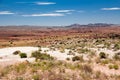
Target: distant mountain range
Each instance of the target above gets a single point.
(91, 25)
(70, 26)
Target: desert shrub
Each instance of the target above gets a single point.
(16, 52)
(116, 56)
(92, 54)
(105, 61)
(4, 71)
(20, 68)
(115, 66)
(97, 74)
(36, 54)
(71, 53)
(116, 47)
(77, 58)
(84, 50)
(41, 56)
(39, 48)
(23, 55)
(102, 55)
(99, 41)
(46, 57)
(114, 35)
(67, 59)
(36, 77)
(110, 66)
(107, 45)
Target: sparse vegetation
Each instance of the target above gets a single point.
(53, 70)
(114, 66)
(77, 58)
(80, 46)
(105, 62)
(16, 52)
(102, 55)
(116, 56)
(23, 55)
(110, 66)
(68, 59)
(116, 47)
(71, 53)
(41, 56)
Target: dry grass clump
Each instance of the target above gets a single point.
(113, 66)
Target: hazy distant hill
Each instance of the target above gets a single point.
(69, 26)
(91, 25)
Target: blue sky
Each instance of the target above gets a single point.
(58, 12)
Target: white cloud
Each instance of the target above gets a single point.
(47, 15)
(45, 3)
(113, 8)
(5, 12)
(64, 11)
(37, 3)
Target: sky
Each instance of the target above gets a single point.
(59, 12)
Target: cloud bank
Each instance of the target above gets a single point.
(6, 13)
(109, 9)
(64, 11)
(47, 15)
(37, 3)
(45, 3)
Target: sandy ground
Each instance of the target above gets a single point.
(110, 53)
(7, 57)
(59, 55)
(106, 70)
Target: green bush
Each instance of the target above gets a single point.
(102, 55)
(23, 55)
(105, 61)
(41, 56)
(16, 52)
(110, 66)
(115, 66)
(36, 54)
